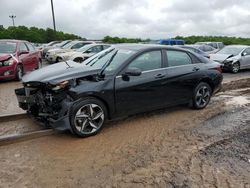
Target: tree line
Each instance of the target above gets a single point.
(39, 35)
(34, 34)
(226, 40)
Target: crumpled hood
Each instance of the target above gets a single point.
(58, 72)
(4, 57)
(220, 57)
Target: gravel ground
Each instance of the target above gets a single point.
(177, 147)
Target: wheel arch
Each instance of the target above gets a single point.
(100, 99)
(208, 81)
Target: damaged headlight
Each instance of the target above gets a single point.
(61, 85)
(7, 62)
(228, 61)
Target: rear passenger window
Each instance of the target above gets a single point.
(177, 58)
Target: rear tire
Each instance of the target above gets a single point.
(201, 96)
(19, 72)
(87, 117)
(39, 64)
(235, 68)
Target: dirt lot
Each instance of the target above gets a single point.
(177, 147)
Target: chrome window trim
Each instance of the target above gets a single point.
(164, 68)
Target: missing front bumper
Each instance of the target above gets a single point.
(23, 100)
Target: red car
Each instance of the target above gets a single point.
(16, 58)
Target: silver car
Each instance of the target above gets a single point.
(233, 58)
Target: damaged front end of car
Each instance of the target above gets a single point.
(47, 103)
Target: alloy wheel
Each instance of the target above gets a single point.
(202, 96)
(19, 72)
(235, 67)
(89, 118)
(39, 64)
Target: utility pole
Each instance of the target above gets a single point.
(13, 19)
(53, 15)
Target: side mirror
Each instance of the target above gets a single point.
(244, 54)
(132, 72)
(23, 52)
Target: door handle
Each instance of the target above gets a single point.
(196, 68)
(160, 76)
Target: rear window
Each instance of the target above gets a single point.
(178, 58)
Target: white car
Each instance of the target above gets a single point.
(53, 54)
(233, 58)
(83, 53)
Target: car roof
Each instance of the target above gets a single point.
(12, 40)
(238, 46)
(139, 47)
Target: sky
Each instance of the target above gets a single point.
(154, 19)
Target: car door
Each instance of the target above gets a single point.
(183, 74)
(33, 56)
(24, 57)
(144, 92)
(245, 62)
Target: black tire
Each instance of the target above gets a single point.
(78, 60)
(58, 59)
(202, 95)
(39, 64)
(235, 68)
(82, 119)
(19, 72)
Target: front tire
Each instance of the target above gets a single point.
(202, 95)
(235, 68)
(87, 117)
(59, 59)
(19, 72)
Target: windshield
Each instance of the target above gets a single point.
(230, 50)
(63, 43)
(69, 44)
(110, 59)
(7, 47)
(84, 48)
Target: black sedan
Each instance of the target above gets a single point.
(120, 81)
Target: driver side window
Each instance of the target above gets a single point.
(147, 61)
(23, 47)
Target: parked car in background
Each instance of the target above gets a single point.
(120, 81)
(171, 42)
(52, 55)
(217, 45)
(83, 53)
(196, 49)
(54, 46)
(16, 58)
(233, 57)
